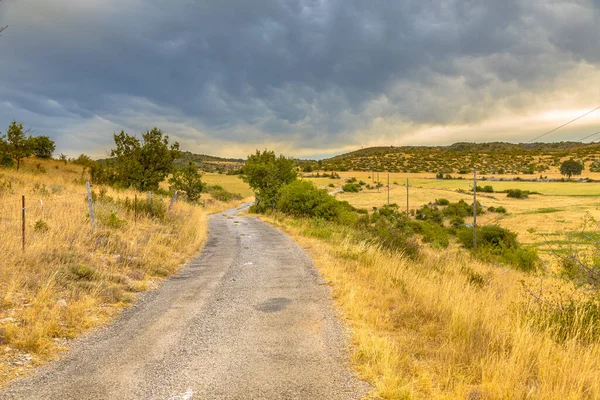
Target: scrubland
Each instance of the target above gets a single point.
(69, 279)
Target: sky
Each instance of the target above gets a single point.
(306, 78)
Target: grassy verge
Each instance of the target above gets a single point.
(445, 326)
(69, 280)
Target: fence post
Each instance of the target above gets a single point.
(474, 206)
(23, 222)
(173, 200)
(407, 197)
(150, 204)
(388, 188)
(91, 205)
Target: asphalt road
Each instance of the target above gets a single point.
(248, 318)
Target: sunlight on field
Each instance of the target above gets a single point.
(543, 220)
(231, 183)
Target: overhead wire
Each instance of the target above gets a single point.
(588, 136)
(563, 125)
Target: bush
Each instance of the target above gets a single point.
(219, 193)
(517, 194)
(432, 233)
(497, 243)
(41, 226)
(457, 222)
(485, 189)
(303, 199)
(442, 202)
(461, 209)
(351, 188)
(489, 235)
(428, 213)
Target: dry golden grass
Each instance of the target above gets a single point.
(69, 280)
(426, 330)
(231, 183)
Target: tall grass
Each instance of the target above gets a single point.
(446, 325)
(69, 279)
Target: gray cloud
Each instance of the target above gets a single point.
(312, 70)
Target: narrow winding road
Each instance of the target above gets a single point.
(247, 319)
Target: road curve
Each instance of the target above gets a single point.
(246, 319)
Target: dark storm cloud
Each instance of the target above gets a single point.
(317, 68)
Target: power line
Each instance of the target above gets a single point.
(589, 136)
(563, 125)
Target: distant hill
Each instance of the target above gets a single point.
(491, 158)
(209, 163)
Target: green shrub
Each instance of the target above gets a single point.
(495, 243)
(517, 194)
(501, 210)
(351, 188)
(432, 233)
(428, 213)
(489, 235)
(461, 209)
(442, 202)
(82, 272)
(112, 220)
(41, 226)
(219, 193)
(303, 199)
(519, 257)
(485, 189)
(457, 221)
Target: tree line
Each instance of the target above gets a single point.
(18, 144)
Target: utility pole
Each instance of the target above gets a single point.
(407, 197)
(474, 206)
(388, 188)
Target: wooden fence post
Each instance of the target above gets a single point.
(474, 206)
(23, 222)
(173, 200)
(91, 205)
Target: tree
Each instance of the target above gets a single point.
(571, 167)
(266, 174)
(63, 157)
(18, 145)
(188, 179)
(43, 146)
(143, 165)
(5, 159)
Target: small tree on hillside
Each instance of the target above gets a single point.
(189, 180)
(43, 146)
(571, 167)
(143, 165)
(267, 174)
(18, 144)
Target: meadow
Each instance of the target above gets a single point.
(69, 279)
(544, 220)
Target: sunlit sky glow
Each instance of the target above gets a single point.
(308, 78)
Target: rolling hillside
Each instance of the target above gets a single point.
(459, 158)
